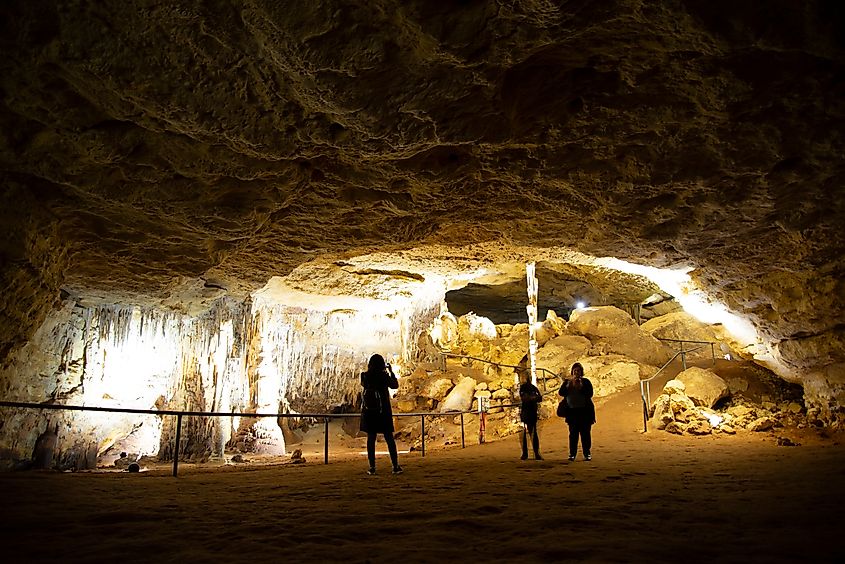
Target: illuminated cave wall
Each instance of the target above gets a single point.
(318, 355)
(127, 357)
(238, 357)
(314, 357)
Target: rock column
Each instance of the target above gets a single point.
(532, 319)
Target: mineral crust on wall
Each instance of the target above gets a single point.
(125, 357)
(239, 357)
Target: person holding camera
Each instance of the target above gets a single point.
(580, 411)
(376, 412)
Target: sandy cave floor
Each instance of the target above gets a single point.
(653, 496)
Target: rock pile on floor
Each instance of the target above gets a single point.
(698, 402)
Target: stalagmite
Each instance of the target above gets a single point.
(257, 355)
(532, 318)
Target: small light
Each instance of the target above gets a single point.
(580, 305)
(715, 420)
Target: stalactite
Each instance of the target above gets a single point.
(316, 355)
(238, 357)
(417, 324)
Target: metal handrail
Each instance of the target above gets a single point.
(645, 383)
(447, 354)
(685, 341)
(668, 362)
(682, 341)
(326, 417)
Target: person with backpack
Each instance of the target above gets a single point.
(376, 412)
(530, 398)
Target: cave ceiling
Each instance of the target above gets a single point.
(153, 151)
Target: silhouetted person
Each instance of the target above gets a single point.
(530, 397)
(580, 411)
(376, 413)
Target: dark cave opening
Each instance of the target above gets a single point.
(505, 303)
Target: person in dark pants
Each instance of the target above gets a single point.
(376, 412)
(530, 397)
(580, 411)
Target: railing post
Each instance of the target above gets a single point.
(463, 443)
(645, 408)
(176, 446)
(713, 352)
(683, 356)
(326, 441)
(422, 419)
(482, 419)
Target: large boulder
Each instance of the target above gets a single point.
(657, 305)
(703, 387)
(614, 331)
(513, 348)
(550, 328)
(602, 321)
(460, 398)
(437, 389)
(611, 373)
(682, 406)
(663, 414)
(558, 354)
(472, 327)
(681, 325)
(475, 335)
(674, 386)
(673, 410)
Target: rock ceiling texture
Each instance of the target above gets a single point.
(153, 148)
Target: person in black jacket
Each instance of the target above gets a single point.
(580, 411)
(530, 397)
(376, 413)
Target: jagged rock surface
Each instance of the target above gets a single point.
(173, 154)
(613, 331)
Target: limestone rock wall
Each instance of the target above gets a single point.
(127, 357)
(172, 153)
(233, 359)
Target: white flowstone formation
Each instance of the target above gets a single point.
(257, 356)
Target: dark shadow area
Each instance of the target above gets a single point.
(561, 287)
